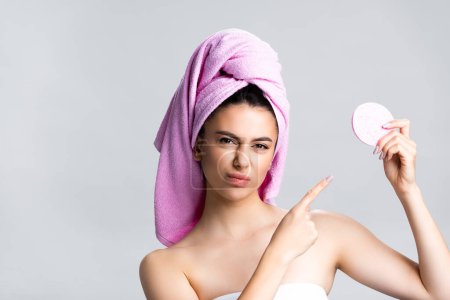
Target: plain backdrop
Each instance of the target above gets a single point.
(84, 86)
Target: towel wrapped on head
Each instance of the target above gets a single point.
(221, 65)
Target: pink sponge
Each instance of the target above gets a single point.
(367, 120)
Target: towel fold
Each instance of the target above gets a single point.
(223, 63)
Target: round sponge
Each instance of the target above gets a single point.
(367, 121)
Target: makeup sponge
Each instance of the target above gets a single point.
(367, 121)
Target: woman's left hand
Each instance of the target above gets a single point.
(398, 152)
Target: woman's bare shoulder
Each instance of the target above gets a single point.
(329, 216)
(324, 217)
(160, 271)
(156, 255)
(340, 229)
(331, 221)
(154, 260)
(163, 256)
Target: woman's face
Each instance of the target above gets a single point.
(238, 140)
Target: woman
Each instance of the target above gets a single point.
(226, 237)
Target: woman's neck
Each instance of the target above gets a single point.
(234, 219)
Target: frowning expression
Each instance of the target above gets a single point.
(237, 149)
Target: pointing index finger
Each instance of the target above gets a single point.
(312, 193)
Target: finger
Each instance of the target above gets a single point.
(403, 124)
(312, 194)
(403, 149)
(389, 151)
(394, 137)
(384, 139)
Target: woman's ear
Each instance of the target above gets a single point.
(196, 152)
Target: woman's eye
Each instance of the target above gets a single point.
(262, 146)
(228, 141)
(225, 140)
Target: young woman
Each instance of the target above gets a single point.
(242, 247)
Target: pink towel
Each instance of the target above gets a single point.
(179, 193)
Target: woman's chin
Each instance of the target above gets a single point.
(235, 193)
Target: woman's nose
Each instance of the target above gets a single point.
(242, 159)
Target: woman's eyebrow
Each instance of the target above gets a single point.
(263, 138)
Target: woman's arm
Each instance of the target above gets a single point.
(433, 254)
(267, 277)
(371, 262)
(295, 234)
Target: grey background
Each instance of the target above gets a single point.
(84, 86)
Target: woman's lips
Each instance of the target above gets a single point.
(238, 179)
(238, 176)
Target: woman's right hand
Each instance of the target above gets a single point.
(296, 232)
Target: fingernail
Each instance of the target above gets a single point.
(376, 150)
(385, 125)
(381, 155)
(329, 178)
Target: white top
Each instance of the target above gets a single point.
(290, 291)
